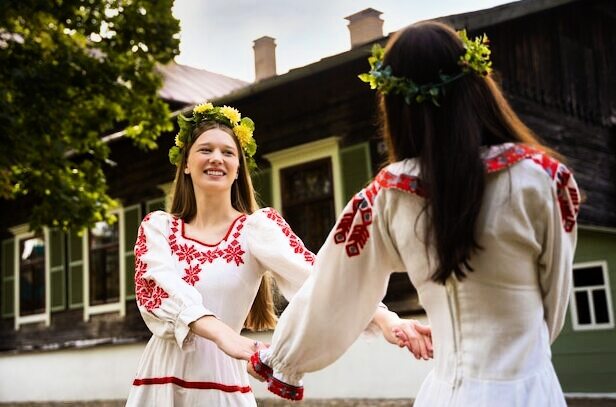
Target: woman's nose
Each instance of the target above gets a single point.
(216, 156)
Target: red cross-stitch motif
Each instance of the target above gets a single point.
(294, 241)
(149, 295)
(353, 230)
(234, 252)
(566, 190)
(191, 274)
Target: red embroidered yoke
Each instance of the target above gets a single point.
(491, 331)
(179, 279)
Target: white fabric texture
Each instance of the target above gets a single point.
(179, 279)
(491, 331)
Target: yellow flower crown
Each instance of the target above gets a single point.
(476, 59)
(226, 115)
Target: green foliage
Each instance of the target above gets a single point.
(243, 129)
(70, 73)
(476, 59)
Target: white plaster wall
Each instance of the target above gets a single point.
(369, 369)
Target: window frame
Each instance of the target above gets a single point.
(120, 305)
(606, 286)
(304, 153)
(20, 233)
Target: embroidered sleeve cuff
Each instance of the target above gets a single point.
(274, 382)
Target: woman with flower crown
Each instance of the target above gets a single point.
(200, 273)
(479, 213)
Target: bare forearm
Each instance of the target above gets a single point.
(227, 340)
(210, 327)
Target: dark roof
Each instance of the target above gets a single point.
(189, 85)
(505, 12)
(472, 21)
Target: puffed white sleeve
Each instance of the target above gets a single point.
(167, 303)
(279, 250)
(556, 260)
(338, 300)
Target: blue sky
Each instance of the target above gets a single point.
(218, 35)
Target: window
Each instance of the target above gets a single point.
(104, 263)
(104, 267)
(306, 186)
(30, 283)
(591, 302)
(308, 200)
(32, 275)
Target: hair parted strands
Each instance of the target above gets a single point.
(447, 138)
(184, 206)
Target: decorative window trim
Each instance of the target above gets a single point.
(74, 263)
(605, 286)
(120, 305)
(20, 233)
(130, 252)
(326, 148)
(7, 278)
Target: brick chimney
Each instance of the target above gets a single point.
(265, 58)
(365, 26)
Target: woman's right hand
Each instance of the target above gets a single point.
(227, 340)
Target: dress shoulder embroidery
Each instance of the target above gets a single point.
(148, 293)
(355, 234)
(295, 242)
(566, 189)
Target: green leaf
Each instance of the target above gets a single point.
(61, 92)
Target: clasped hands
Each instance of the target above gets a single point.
(405, 333)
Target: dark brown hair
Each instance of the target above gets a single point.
(447, 139)
(184, 206)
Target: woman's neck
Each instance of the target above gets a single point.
(213, 209)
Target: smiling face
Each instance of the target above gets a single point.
(213, 161)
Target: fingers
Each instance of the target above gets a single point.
(419, 344)
(422, 329)
(251, 371)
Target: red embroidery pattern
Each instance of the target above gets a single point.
(234, 252)
(294, 241)
(568, 197)
(356, 234)
(191, 274)
(148, 293)
(566, 189)
(187, 252)
(274, 385)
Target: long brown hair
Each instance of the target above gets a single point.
(184, 206)
(447, 139)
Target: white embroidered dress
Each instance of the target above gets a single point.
(491, 331)
(179, 279)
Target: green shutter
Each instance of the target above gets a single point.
(7, 278)
(356, 168)
(262, 182)
(155, 205)
(132, 219)
(75, 271)
(57, 273)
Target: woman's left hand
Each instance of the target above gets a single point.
(407, 333)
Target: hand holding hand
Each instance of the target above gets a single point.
(413, 335)
(250, 368)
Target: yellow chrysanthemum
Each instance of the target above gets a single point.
(203, 107)
(178, 142)
(243, 134)
(231, 113)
